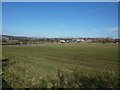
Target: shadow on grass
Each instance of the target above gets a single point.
(6, 63)
(6, 85)
(81, 80)
(74, 79)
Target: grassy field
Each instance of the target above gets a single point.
(69, 65)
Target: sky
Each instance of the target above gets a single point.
(60, 19)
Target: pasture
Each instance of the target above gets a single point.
(68, 65)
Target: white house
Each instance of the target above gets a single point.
(62, 41)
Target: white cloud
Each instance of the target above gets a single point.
(95, 30)
(61, 26)
(114, 29)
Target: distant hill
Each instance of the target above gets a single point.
(21, 37)
(13, 37)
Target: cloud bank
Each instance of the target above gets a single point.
(61, 26)
(114, 29)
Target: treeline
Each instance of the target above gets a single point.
(24, 40)
(108, 40)
(16, 40)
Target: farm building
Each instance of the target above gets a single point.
(67, 40)
(71, 40)
(62, 41)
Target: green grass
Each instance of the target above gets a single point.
(61, 65)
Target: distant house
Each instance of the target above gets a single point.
(90, 40)
(71, 40)
(4, 38)
(62, 41)
(79, 40)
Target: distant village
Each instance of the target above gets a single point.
(18, 40)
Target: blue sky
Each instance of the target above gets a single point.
(60, 19)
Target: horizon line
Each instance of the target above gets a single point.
(56, 37)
